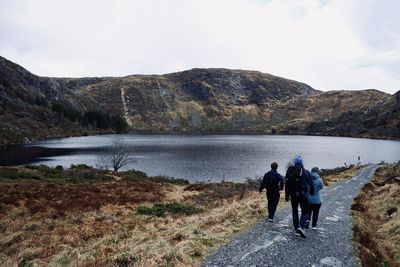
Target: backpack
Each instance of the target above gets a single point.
(292, 180)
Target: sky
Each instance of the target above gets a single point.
(328, 44)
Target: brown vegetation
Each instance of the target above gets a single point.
(376, 220)
(331, 176)
(87, 217)
(59, 219)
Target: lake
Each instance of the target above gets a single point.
(207, 157)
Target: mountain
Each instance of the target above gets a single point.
(33, 107)
(193, 101)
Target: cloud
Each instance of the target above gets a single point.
(325, 43)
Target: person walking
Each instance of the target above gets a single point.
(274, 183)
(299, 185)
(315, 201)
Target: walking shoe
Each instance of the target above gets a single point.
(307, 225)
(270, 220)
(301, 232)
(314, 228)
(296, 233)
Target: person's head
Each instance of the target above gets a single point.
(315, 169)
(274, 166)
(298, 160)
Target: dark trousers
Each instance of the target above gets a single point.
(314, 211)
(303, 202)
(273, 200)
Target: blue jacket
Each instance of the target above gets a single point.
(307, 182)
(318, 185)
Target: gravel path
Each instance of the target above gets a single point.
(275, 244)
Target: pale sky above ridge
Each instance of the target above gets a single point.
(328, 44)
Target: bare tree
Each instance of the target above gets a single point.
(117, 156)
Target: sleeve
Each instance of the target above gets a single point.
(310, 183)
(281, 182)
(263, 183)
(321, 184)
(286, 192)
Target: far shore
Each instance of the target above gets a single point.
(30, 140)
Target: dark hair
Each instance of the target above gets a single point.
(274, 165)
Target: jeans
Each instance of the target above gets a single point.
(303, 202)
(314, 211)
(273, 200)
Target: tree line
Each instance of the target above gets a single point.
(94, 118)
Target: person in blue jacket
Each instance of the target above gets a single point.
(315, 201)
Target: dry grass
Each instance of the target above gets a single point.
(98, 224)
(332, 176)
(376, 219)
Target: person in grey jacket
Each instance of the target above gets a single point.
(315, 200)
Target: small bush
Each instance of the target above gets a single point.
(174, 208)
(12, 173)
(40, 167)
(59, 168)
(80, 167)
(134, 175)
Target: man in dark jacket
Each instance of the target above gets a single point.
(274, 183)
(299, 184)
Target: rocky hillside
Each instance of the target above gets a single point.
(34, 107)
(198, 100)
(193, 101)
(367, 113)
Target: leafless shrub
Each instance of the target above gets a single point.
(117, 156)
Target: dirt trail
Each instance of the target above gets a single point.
(275, 244)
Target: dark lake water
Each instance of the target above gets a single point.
(209, 157)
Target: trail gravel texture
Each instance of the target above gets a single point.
(275, 244)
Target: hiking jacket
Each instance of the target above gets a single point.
(318, 185)
(308, 183)
(277, 182)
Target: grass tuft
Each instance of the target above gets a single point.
(174, 208)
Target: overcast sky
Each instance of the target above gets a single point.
(328, 44)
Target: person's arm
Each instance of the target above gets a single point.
(310, 183)
(281, 182)
(263, 183)
(286, 187)
(321, 184)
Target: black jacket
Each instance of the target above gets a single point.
(272, 181)
(306, 182)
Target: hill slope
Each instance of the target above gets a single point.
(193, 101)
(41, 107)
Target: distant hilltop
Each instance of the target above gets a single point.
(218, 101)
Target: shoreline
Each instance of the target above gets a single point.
(194, 133)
